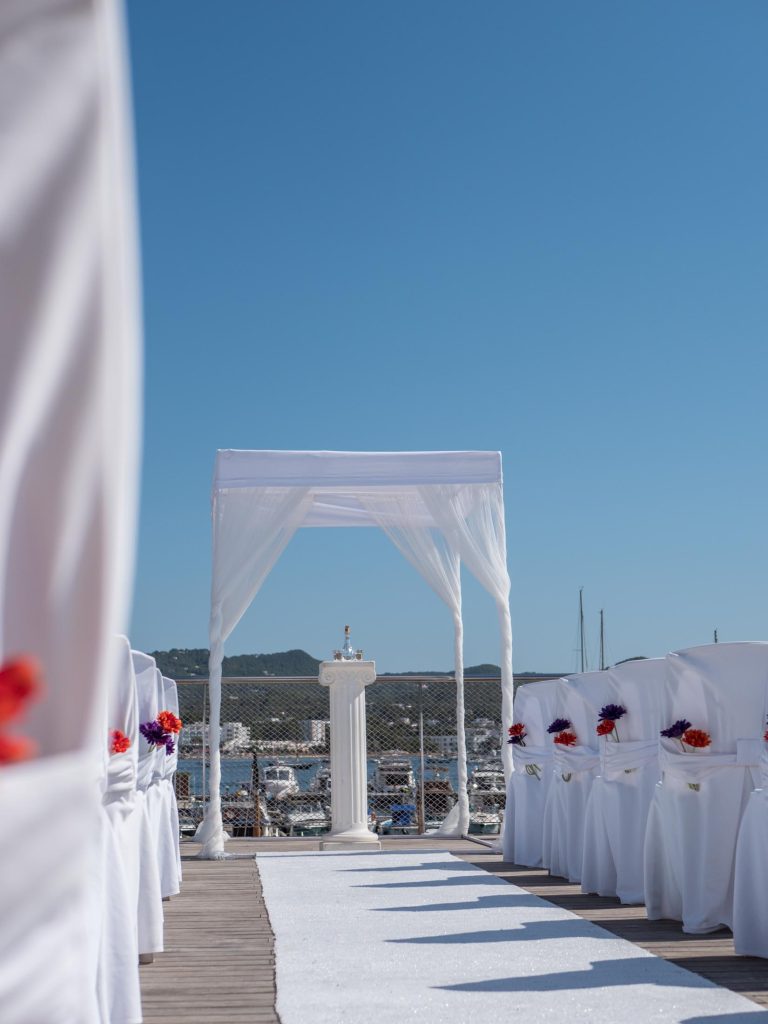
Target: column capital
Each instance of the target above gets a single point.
(361, 672)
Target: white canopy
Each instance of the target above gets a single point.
(438, 508)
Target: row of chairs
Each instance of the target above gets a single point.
(670, 806)
(140, 864)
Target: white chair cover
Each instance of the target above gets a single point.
(161, 810)
(617, 810)
(691, 838)
(69, 416)
(579, 699)
(528, 786)
(750, 894)
(118, 979)
(150, 909)
(172, 855)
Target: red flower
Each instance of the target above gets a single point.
(605, 727)
(120, 742)
(16, 748)
(20, 682)
(517, 729)
(696, 738)
(765, 735)
(567, 739)
(169, 722)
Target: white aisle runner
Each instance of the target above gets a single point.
(383, 938)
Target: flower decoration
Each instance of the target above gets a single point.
(559, 725)
(676, 730)
(169, 721)
(605, 727)
(612, 712)
(20, 684)
(16, 748)
(517, 734)
(696, 738)
(566, 738)
(153, 733)
(161, 731)
(119, 742)
(765, 735)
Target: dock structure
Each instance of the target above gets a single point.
(219, 963)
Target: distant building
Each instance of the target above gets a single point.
(446, 746)
(315, 731)
(234, 735)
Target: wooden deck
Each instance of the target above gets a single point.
(218, 964)
(711, 956)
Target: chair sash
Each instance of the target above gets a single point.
(693, 768)
(571, 760)
(522, 756)
(619, 758)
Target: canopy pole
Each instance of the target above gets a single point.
(461, 739)
(507, 683)
(211, 830)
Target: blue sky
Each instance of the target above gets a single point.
(536, 227)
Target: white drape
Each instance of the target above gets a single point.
(250, 532)
(472, 520)
(69, 416)
(426, 548)
(171, 703)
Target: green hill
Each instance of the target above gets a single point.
(184, 663)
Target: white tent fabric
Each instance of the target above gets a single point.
(617, 810)
(171, 763)
(69, 416)
(691, 836)
(260, 498)
(750, 893)
(150, 910)
(580, 698)
(536, 705)
(399, 516)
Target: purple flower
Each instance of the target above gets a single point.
(612, 712)
(518, 738)
(559, 724)
(169, 747)
(153, 733)
(674, 732)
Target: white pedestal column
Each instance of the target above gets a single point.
(347, 681)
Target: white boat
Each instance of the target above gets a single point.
(393, 775)
(322, 782)
(488, 779)
(302, 815)
(278, 781)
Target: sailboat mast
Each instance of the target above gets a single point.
(581, 627)
(602, 641)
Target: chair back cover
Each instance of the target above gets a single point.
(148, 697)
(580, 698)
(535, 707)
(696, 812)
(617, 810)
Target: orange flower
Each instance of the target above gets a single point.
(120, 742)
(20, 682)
(16, 748)
(567, 739)
(696, 738)
(605, 727)
(169, 722)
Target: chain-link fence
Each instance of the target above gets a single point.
(275, 754)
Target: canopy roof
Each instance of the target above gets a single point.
(338, 479)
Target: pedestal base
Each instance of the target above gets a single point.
(352, 842)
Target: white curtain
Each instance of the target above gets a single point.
(69, 433)
(251, 528)
(472, 520)
(401, 517)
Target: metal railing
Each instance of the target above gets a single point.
(275, 754)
